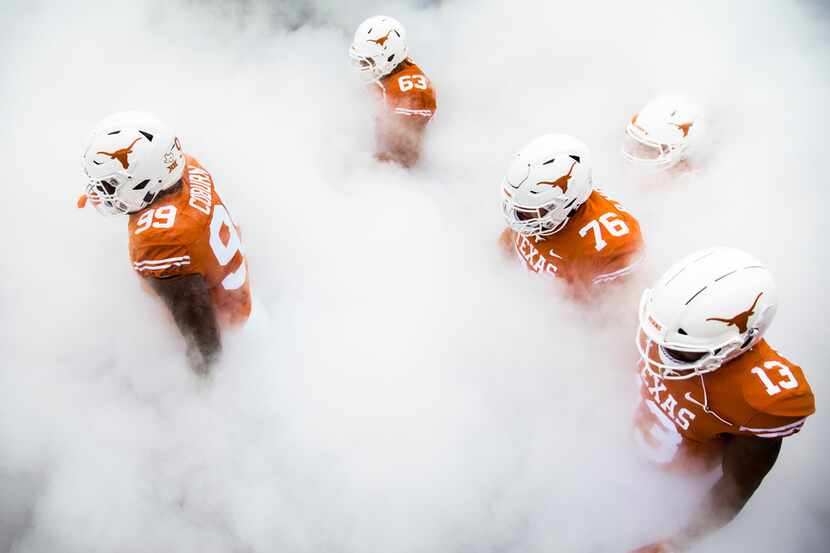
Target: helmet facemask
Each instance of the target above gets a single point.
(672, 367)
(366, 66)
(651, 154)
(543, 220)
(109, 198)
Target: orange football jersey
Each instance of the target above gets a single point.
(600, 243)
(189, 231)
(407, 107)
(680, 423)
(408, 92)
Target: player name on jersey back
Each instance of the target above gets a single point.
(201, 189)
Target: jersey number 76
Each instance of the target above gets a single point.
(615, 227)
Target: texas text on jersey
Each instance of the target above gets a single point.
(189, 231)
(680, 424)
(408, 105)
(600, 243)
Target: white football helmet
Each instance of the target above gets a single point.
(545, 184)
(129, 158)
(378, 47)
(707, 309)
(662, 133)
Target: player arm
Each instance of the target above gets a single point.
(746, 461)
(619, 243)
(619, 267)
(400, 138)
(189, 301)
(507, 241)
(401, 132)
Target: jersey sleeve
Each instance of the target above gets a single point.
(624, 258)
(416, 104)
(162, 260)
(412, 96)
(618, 266)
(507, 241)
(765, 425)
(780, 398)
(161, 246)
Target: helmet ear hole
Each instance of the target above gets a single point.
(750, 336)
(107, 187)
(390, 58)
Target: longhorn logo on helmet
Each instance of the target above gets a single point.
(561, 182)
(741, 320)
(684, 127)
(122, 155)
(382, 40)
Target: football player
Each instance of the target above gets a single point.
(406, 96)
(559, 224)
(713, 392)
(663, 134)
(182, 239)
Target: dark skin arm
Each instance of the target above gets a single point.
(746, 461)
(188, 299)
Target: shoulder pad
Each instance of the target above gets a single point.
(773, 385)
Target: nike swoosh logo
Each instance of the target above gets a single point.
(689, 397)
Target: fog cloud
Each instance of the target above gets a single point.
(401, 389)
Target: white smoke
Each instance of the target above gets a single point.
(402, 389)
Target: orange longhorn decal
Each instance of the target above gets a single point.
(741, 320)
(561, 182)
(684, 127)
(382, 40)
(122, 154)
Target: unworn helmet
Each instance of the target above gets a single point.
(662, 133)
(130, 157)
(707, 309)
(378, 47)
(548, 180)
